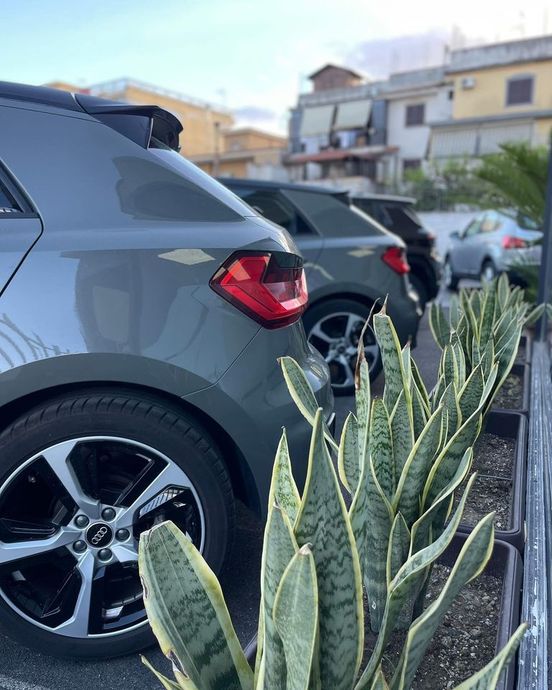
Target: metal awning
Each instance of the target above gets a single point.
(490, 138)
(317, 120)
(451, 143)
(353, 114)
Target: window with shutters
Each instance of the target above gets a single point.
(519, 90)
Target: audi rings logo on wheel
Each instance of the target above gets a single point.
(99, 535)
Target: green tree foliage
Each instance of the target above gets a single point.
(517, 175)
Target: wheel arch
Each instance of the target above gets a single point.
(361, 298)
(243, 484)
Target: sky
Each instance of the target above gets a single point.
(253, 57)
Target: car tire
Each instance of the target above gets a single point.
(488, 272)
(419, 287)
(333, 327)
(148, 459)
(450, 279)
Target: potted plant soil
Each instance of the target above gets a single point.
(500, 461)
(514, 392)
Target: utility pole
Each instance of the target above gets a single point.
(545, 274)
(216, 156)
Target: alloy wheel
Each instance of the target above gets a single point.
(447, 274)
(70, 521)
(336, 337)
(488, 274)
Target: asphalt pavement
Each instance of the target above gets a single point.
(22, 669)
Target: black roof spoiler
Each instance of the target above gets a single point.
(130, 120)
(137, 122)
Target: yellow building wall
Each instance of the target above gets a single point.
(200, 131)
(543, 128)
(251, 139)
(488, 97)
(226, 168)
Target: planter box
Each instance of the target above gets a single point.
(525, 346)
(506, 564)
(523, 372)
(513, 426)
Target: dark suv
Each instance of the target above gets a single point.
(142, 313)
(350, 261)
(397, 214)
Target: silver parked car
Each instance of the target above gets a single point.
(493, 242)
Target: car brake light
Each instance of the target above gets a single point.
(509, 242)
(270, 287)
(395, 258)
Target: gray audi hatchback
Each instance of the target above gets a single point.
(142, 311)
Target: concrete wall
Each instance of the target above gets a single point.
(334, 78)
(247, 139)
(413, 141)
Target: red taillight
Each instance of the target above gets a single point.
(509, 242)
(270, 287)
(395, 258)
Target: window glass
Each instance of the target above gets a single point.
(7, 202)
(374, 209)
(519, 90)
(415, 114)
(411, 164)
(490, 222)
(329, 215)
(104, 179)
(275, 207)
(473, 227)
(401, 219)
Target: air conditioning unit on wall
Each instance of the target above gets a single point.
(468, 83)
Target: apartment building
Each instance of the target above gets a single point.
(246, 152)
(502, 93)
(365, 134)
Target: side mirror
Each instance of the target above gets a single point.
(455, 235)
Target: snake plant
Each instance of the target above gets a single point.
(311, 622)
(311, 619)
(486, 325)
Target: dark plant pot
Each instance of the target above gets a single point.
(250, 650)
(523, 371)
(506, 564)
(525, 346)
(511, 425)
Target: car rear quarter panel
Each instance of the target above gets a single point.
(110, 275)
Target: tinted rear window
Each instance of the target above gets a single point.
(329, 215)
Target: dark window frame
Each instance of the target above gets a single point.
(8, 183)
(411, 164)
(517, 79)
(278, 196)
(411, 120)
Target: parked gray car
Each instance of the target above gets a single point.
(142, 312)
(350, 260)
(493, 242)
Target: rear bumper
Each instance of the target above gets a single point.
(252, 404)
(428, 267)
(406, 314)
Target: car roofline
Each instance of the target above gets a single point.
(385, 197)
(266, 184)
